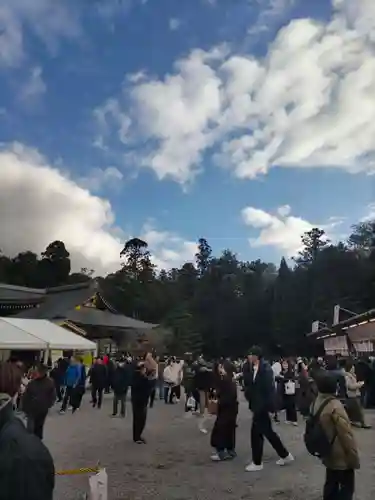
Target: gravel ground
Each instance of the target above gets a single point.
(175, 464)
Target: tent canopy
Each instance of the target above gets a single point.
(40, 334)
(12, 337)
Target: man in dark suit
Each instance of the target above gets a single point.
(260, 393)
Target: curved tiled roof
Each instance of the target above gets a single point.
(61, 303)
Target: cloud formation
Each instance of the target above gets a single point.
(38, 204)
(47, 20)
(280, 230)
(174, 24)
(34, 86)
(309, 103)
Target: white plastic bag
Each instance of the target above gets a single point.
(191, 403)
(290, 388)
(99, 486)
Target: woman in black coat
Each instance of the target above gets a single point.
(223, 436)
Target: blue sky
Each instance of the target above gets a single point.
(245, 122)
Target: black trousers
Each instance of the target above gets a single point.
(169, 392)
(67, 397)
(58, 391)
(339, 485)
(290, 407)
(139, 420)
(35, 424)
(119, 398)
(97, 395)
(152, 392)
(261, 428)
(177, 391)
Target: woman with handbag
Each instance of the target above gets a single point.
(288, 378)
(223, 436)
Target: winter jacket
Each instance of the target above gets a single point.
(336, 424)
(260, 390)
(121, 379)
(72, 376)
(26, 467)
(98, 375)
(140, 391)
(39, 397)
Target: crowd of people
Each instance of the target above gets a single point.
(329, 394)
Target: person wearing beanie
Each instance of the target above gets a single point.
(260, 393)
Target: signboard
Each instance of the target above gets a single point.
(364, 346)
(336, 345)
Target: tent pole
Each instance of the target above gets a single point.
(48, 360)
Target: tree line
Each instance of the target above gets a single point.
(221, 305)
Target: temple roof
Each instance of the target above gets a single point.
(62, 303)
(20, 294)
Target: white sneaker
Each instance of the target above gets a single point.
(295, 424)
(254, 468)
(203, 430)
(285, 461)
(215, 457)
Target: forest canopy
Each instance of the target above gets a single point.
(221, 305)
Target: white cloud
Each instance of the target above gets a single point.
(48, 20)
(99, 179)
(282, 230)
(38, 204)
(370, 215)
(309, 103)
(109, 115)
(284, 210)
(35, 85)
(270, 13)
(174, 24)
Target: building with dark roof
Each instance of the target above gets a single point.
(81, 307)
(356, 334)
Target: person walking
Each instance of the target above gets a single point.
(98, 380)
(39, 397)
(71, 380)
(57, 376)
(140, 393)
(152, 374)
(342, 460)
(260, 393)
(223, 436)
(80, 389)
(120, 384)
(287, 379)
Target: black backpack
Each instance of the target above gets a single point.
(316, 440)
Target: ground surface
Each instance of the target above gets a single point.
(175, 463)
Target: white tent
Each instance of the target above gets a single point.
(12, 337)
(40, 334)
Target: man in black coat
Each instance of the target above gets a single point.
(98, 379)
(120, 385)
(140, 392)
(260, 393)
(26, 467)
(39, 397)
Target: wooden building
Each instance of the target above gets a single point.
(81, 308)
(353, 335)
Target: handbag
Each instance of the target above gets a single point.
(212, 406)
(290, 388)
